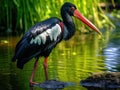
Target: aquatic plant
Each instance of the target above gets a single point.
(19, 15)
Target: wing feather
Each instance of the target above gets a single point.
(53, 33)
(38, 41)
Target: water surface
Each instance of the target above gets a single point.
(70, 61)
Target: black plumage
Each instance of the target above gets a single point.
(41, 38)
(25, 51)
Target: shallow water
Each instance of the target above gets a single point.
(70, 61)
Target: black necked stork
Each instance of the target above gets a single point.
(41, 38)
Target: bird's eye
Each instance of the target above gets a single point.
(72, 8)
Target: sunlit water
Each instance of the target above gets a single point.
(112, 52)
(70, 61)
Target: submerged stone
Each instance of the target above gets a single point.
(103, 80)
(54, 84)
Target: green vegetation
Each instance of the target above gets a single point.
(19, 15)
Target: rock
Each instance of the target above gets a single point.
(54, 84)
(103, 80)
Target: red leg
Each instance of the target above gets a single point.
(33, 72)
(46, 67)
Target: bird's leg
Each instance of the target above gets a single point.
(46, 67)
(33, 72)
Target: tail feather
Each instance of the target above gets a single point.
(22, 61)
(19, 65)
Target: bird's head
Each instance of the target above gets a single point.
(72, 11)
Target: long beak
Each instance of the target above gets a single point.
(86, 21)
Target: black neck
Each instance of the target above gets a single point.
(68, 22)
